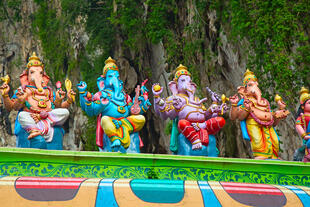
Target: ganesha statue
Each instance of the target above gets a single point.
(303, 121)
(41, 111)
(194, 125)
(257, 118)
(119, 119)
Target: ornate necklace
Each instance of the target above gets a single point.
(120, 109)
(41, 102)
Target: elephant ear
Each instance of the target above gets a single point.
(241, 90)
(24, 78)
(173, 87)
(100, 83)
(46, 79)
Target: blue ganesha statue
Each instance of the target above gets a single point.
(119, 119)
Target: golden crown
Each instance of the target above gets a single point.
(304, 95)
(34, 61)
(248, 76)
(181, 70)
(110, 64)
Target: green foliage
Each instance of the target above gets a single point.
(10, 10)
(277, 32)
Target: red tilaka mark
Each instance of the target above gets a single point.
(48, 183)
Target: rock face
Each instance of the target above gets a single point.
(219, 64)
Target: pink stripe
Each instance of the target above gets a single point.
(44, 184)
(46, 187)
(254, 192)
(247, 185)
(49, 179)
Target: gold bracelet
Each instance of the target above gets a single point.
(156, 96)
(303, 135)
(82, 92)
(69, 102)
(88, 104)
(19, 101)
(5, 95)
(234, 105)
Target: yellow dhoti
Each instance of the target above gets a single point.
(128, 125)
(264, 140)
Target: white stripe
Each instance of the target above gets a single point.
(252, 189)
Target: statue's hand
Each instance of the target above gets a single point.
(21, 96)
(176, 102)
(5, 88)
(224, 108)
(70, 96)
(246, 104)
(234, 99)
(117, 123)
(104, 97)
(307, 137)
(157, 89)
(82, 86)
(60, 95)
(281, 114)
(281, 104)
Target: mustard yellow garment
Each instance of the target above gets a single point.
(264, 140)
(128, 125)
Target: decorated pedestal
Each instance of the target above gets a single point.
(31, 177)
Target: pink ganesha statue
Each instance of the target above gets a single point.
(42, 112)
(193, 124)
(257, 120)
(303, 121)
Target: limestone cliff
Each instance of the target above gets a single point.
(144, 45)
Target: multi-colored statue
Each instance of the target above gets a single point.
(303, 121)
(193, 125)
(118, 118)
(41, 111)
(257, 119)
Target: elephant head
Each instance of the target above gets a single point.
(182, 83)
(110, 80)
(250, 88)
(34, 74)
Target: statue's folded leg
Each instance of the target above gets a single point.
(58, 116)
(121, 133)
(27, 123)
(137, 122)
(188, 131)
(214, 124)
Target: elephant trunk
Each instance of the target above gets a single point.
(118, 95)
(260, 101)
(38, 84)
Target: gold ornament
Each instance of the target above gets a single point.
(277, 98)
(248, 76)
(181, 70)
(34, 61)
(6, 79)
(304, 95)
(157, 88)
(110, 64)
(68, 85)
